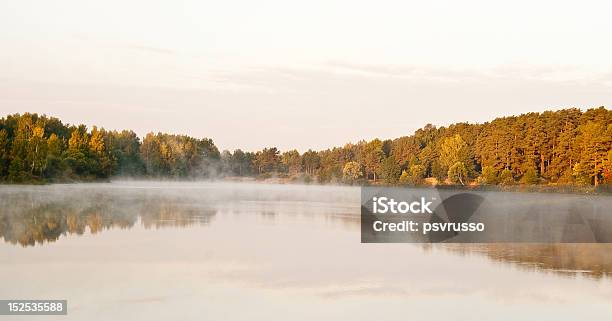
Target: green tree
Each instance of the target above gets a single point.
(4, 152)
(530, 177)
(389, 170)
(506, 177)
(124, 151)
(15, 170)
(241, 162)
(488, 176)
(54, 156)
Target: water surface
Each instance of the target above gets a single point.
(220, 251)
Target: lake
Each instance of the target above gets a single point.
(248, 251)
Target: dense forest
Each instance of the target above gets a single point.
(554, 147)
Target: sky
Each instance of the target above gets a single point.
(300, 74)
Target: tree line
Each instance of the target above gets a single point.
(554, 147)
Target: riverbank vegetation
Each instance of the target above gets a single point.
(565, 147)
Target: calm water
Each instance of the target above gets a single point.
(220, 251)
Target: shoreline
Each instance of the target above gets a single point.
(517, 188)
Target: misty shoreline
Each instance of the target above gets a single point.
(279, 181)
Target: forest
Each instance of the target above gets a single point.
(564, 147)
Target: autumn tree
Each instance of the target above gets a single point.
(352, 171)
(267, 160)
(457, 173)
(311, 162)
(593, 143)
(37, 151)
(292, 162)
(417, 173)
(453, 150)
(372, 157)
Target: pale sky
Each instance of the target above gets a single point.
(300, 74)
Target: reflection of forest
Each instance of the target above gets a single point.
(592, 260)
(29, 220)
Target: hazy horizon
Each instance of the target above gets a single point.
(300, 75)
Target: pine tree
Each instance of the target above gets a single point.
(389, 170)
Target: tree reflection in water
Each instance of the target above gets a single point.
(588, 259)
(30, 216)
(29, 219)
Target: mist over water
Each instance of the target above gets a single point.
(234, 251)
